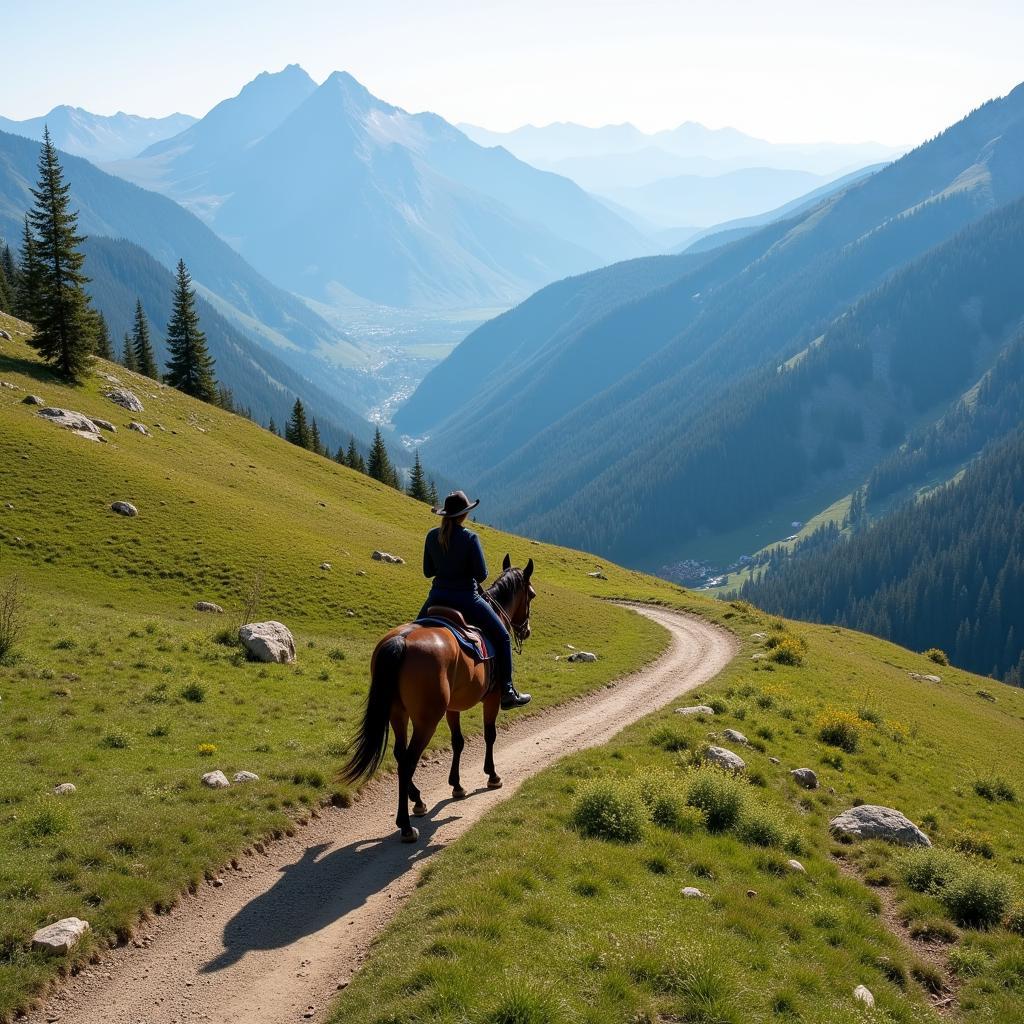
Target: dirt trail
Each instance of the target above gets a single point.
(282, 934)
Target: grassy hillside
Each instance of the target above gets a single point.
(117, 682)
(529, 919)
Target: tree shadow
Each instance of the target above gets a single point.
(38, 371)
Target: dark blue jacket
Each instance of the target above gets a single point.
(461, 567)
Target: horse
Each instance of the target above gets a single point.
(421, 674)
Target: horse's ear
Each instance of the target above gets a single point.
(507, 564)
(528, 571)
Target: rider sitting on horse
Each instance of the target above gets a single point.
(454, 559)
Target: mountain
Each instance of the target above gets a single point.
(95, 137)
(664, 426)
(344, 198)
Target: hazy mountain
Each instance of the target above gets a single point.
(96, 137)
(334, 193)
(688, 373)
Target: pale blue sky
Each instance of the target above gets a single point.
(789, 70)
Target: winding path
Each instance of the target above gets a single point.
(288, 928)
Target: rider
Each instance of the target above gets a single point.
(454, 559)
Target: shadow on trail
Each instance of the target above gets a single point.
(317, 890)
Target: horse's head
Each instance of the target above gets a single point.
(514, 593)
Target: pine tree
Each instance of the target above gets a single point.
(190, 367)
(379, 464)
(226, 398)
(26, 293)
(10, 272)
(353, 459)
(128, 355)
(315, 444)
(101, 334)
(272, 426)
(145, 359)
(432, 494)
(297, 431)
(64, 323)
(417, 481)
(6, 288)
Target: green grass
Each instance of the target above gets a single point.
(593, 930)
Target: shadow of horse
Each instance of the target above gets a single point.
(317, 890)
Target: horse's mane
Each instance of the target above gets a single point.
(506, 584)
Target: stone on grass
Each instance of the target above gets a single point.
(759, 637)
(61, 936)
(105, 425)
(796, 867)
(139, 428)
(246, 777)
(216, 780)
(32, 400)
(5, 336)
(727, 759)
(126, 399)
(124, 508)
(597, 575)
(691, 892)
(759, 656)
(326, 566)
(268, 641)
(736, 736)
(863, 994)
(774, 760)
(926, 677)
(384, 556)
(805, 777)
(69, 420)
(695, 709)
(65, 789)
(870, 821)
(582, 656)
(209, 606)
(85, 435)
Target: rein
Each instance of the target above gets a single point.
(517, 631)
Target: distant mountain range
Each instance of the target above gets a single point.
(688, 406)
(95, 137)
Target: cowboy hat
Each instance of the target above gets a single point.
(456, 504)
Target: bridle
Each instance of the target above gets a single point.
(518, 631)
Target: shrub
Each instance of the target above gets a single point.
(194, 693)
(12, 617)
(721, 795)
(758, 828)
(840, 729)
(870, 715)
(718, 705)
(336, 654)
(996, 789)
(967, 962)
(972, 842)
(610, 810)
(669, 738)
(986, 695)
(976, 896)
(1015, 919)
(929, 869)
(667, 808)
(938, 655)
(788, 651)
(206, 749)
(114, 741)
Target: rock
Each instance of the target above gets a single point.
(109, 377)
(139, 428)
(759, 637)
(864, 995)
(126, 399)
(209, 606)
(61, 936)
(8, 505)
(89, 437)
(805, 777)
(926, 677)
(751, 893)
(360, 572)
(736, 736)
(774, 760)
(69, 420)
(597, 575)
(796, 867)
(32, 400)
(124, 508)
(384, 556)
(326, 566)
(104, 425)
(268, 641)
(5, 335)
(727, 759)
(695, 709)
(216, 780)
(8, 384)
(758, 656)
(582, 656)
(691, 892)
(870, 821)
(246, 777)
(65, 789)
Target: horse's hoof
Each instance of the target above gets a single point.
(494, 783)
(458, 793)
(411, 836)
(419, 809)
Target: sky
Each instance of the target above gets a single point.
(896, 71)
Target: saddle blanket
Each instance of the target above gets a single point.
(467, 644)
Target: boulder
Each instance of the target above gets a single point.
(85, 435)
(695, 709)
(870, 821)
(384, 556)
(926, 677)
(863, 994)
(326, 566)
(759, 637)
(104, 425)
(69, 420)
(124, 508)
(796, 867)
(724, 758)
(597, 575)
(65, 789)
(268, 641)
(209, 606)
(582, 656)
(691, 892)
(216, 780)
(139, 428)
(5, 335)
(126, 399)
(7, 384)
(805, 777)
(736, 736)
(61, 936)
(775, 760)
(246, 777)
(32, 400)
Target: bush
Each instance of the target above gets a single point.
(718, 705)
(976, 897)
(1015, 919)
(721, 795)
(967, 962)
(12, 617)
(114, 741)
(929, 869)
(670, 738)
(788, 651)
(194, 693)
(938, 655)
(976, 843)
(610, 810)
(840, 729)
(758, 828)
(666, 806)
(996, 789)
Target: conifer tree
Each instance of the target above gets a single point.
(6, 289)
(272, 426)
(432, 494)
(190, 367)
(418, 488)
(297, 431)
(26, 293)
(128, 354)
(226, 399)
(64, 323)
(145, 359)
(379, 464)
(101, 334)
(353, 459)
(315, 444)
(10, 272)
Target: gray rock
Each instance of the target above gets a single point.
(126, 399)
(5, 335)
(736, 736)
(384, 556)
(727, 759)
(691, 892)
(139, 428)
(759, 637)
(209, 606)
(926, 677)
(597, 575)
(805, 777)
(32, 400)
(216, 780)
(7, 384)
(108, 377)
(759, 656)
(796, 867)
(246, 777)
(870, 821)
(863, 994)
(61, 936)
(105, 425)
(69, 420)
(85, 435)
(8, 505)
(268, 641)
(326, 566)
(695, 709)
(65, 789)
(582, 656)
(124, 508)
(774, 760)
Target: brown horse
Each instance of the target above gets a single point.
(421, 674)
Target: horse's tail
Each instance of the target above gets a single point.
(369, 745)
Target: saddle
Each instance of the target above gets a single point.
(471, 639)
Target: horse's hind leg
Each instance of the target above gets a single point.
(421, 733)
(492, 705)
(458, 742)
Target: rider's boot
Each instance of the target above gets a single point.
(512, 698)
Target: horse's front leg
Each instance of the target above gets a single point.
(458, 742)
(492, 705)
